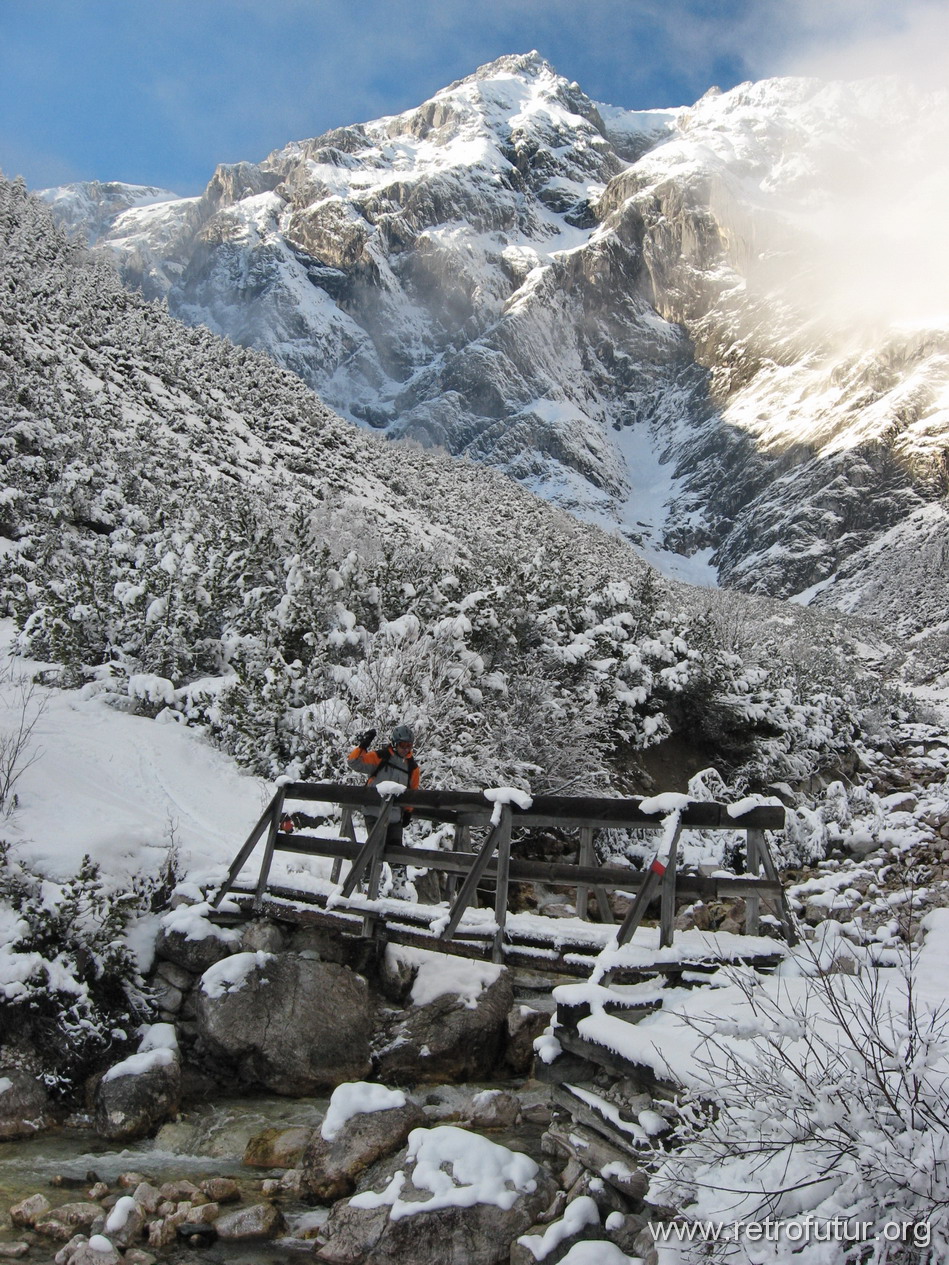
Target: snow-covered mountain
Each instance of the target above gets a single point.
(92, 207)
(662, 320)
(187, 531)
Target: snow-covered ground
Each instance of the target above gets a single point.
(122, 788)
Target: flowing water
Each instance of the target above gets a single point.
(208, 1141)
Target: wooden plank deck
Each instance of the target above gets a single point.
(549, 945)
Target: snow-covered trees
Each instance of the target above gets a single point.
(71, 986)
(188, 528)
(820, 1107)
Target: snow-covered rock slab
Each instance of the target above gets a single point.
(453, 1198)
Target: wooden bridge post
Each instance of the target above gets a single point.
(753, 866)
(654, 875)
(347, 831)
(782, 909)
(588, 857)
(585, 857)
(461, 842)
(389, 811)
(667, 899)
(501, 891)
(375, 844)
(276, 812)
(473, 877)
(240, 860)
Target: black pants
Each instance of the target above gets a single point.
(393, 830)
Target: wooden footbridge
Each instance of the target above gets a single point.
(351, 902)
(627, 976)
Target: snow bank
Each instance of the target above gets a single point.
(134, 789)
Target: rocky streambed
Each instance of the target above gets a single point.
(304, 1093)
(257, 1180)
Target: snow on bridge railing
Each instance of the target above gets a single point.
(635, 812)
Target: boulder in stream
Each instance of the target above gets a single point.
(453, 1198)
(364, 1123)
(255, 1221)
(277, 1148)
(82, 1251)
(136, 1095)
(286, 1021)
(30, 1210)
(24, 1105)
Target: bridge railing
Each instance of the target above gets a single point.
(466, 866)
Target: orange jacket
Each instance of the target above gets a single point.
(388, 762)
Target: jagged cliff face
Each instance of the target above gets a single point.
(830, 423)
(626, 311)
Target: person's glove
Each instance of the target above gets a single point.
(365, 739)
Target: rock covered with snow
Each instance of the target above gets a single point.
(524, 1025)
(124, 1223)
(453, 1198)
(581, 1217)
(189, 939)
(455, 1023)
(364, 1122)
(138, 1094)
(285, 1021)
(96, 1250)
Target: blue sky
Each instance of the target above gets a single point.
(160, 91)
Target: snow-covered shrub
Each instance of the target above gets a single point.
(70, 989)
(820, 1106)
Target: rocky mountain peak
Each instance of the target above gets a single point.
(92, 206)
(525, 66)
(639, 315)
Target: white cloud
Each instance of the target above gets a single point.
(852, 39)
(868, 246)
